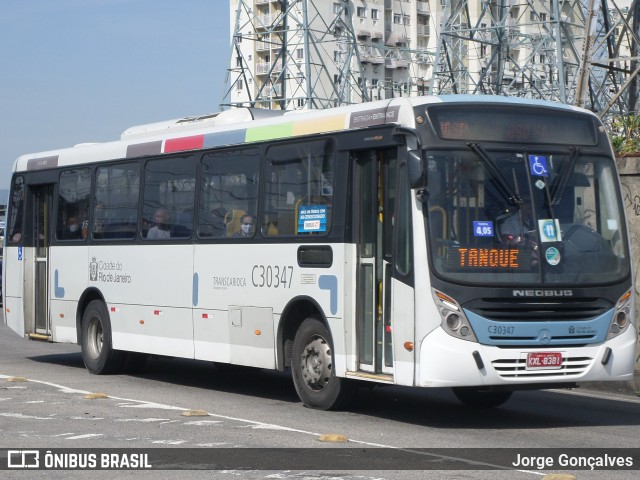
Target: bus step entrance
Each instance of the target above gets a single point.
(39, 337)
(379, 377)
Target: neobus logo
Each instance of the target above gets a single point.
(542, 293)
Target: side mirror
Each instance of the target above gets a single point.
(417, 177)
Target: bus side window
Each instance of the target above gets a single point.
(299, 181)
(228, 190)
(169, 195)
(14, 227)
(73, 204)
(115, 214)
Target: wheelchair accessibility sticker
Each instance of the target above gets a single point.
(538, 165)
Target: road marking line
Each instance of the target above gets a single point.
(593, 394)
(204, 422)
(24, 417)
(86, 435)
(143, 420)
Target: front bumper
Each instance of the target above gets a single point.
(445, 361)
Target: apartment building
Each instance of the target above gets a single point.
(299, 54)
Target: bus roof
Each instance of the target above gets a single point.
(244, 125)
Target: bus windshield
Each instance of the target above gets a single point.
(527, 218)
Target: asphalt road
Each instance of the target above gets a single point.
(246, 408)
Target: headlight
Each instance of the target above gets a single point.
(453, 319)
(622, 316)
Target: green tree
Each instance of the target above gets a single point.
(625, 134)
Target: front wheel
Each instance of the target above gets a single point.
(478, 398)
(97, 351)
(313, 369)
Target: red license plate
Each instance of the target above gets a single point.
(548, 360)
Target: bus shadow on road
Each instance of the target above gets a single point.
(62, 359)
(198, 374)
(220, 377)
(532, 409)
(435, 408)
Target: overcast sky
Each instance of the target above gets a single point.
(76, 71)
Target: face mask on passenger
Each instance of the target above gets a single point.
(246, 228)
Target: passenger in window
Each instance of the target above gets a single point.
(161, 231)
(72, 230)
(246, 226)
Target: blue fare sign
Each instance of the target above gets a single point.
(312, 218)
(483, 229)
(538, 165)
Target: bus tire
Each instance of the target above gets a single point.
(478, 398)
(313, 369)
(97, 351)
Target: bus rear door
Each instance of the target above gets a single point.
(37, 235)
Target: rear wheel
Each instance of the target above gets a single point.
(313, 369)
(478, 398)
(97, 351)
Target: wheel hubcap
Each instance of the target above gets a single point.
(96, 337)
(316, 363)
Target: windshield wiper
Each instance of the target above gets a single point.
(561, 181)
(503, 185)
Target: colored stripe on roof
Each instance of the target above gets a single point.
(232, 137)
(184, 143)
(270, 132)
(235, 137)
(329, 124)
(143, 149)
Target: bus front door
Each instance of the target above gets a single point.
(36, 255)
(374, 198)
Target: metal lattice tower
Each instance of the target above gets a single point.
(575, 52)
(293, 54)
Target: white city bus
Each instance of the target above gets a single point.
(472, 242)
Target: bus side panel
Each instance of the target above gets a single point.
(233, 319)
(148, 291)
(349, 295)
(242, 290)
(403, 331)
(329, 292)
(252, 346)
(68, 278)
(159, 330)
(13, 290)
(427, 317)
(211, 335)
